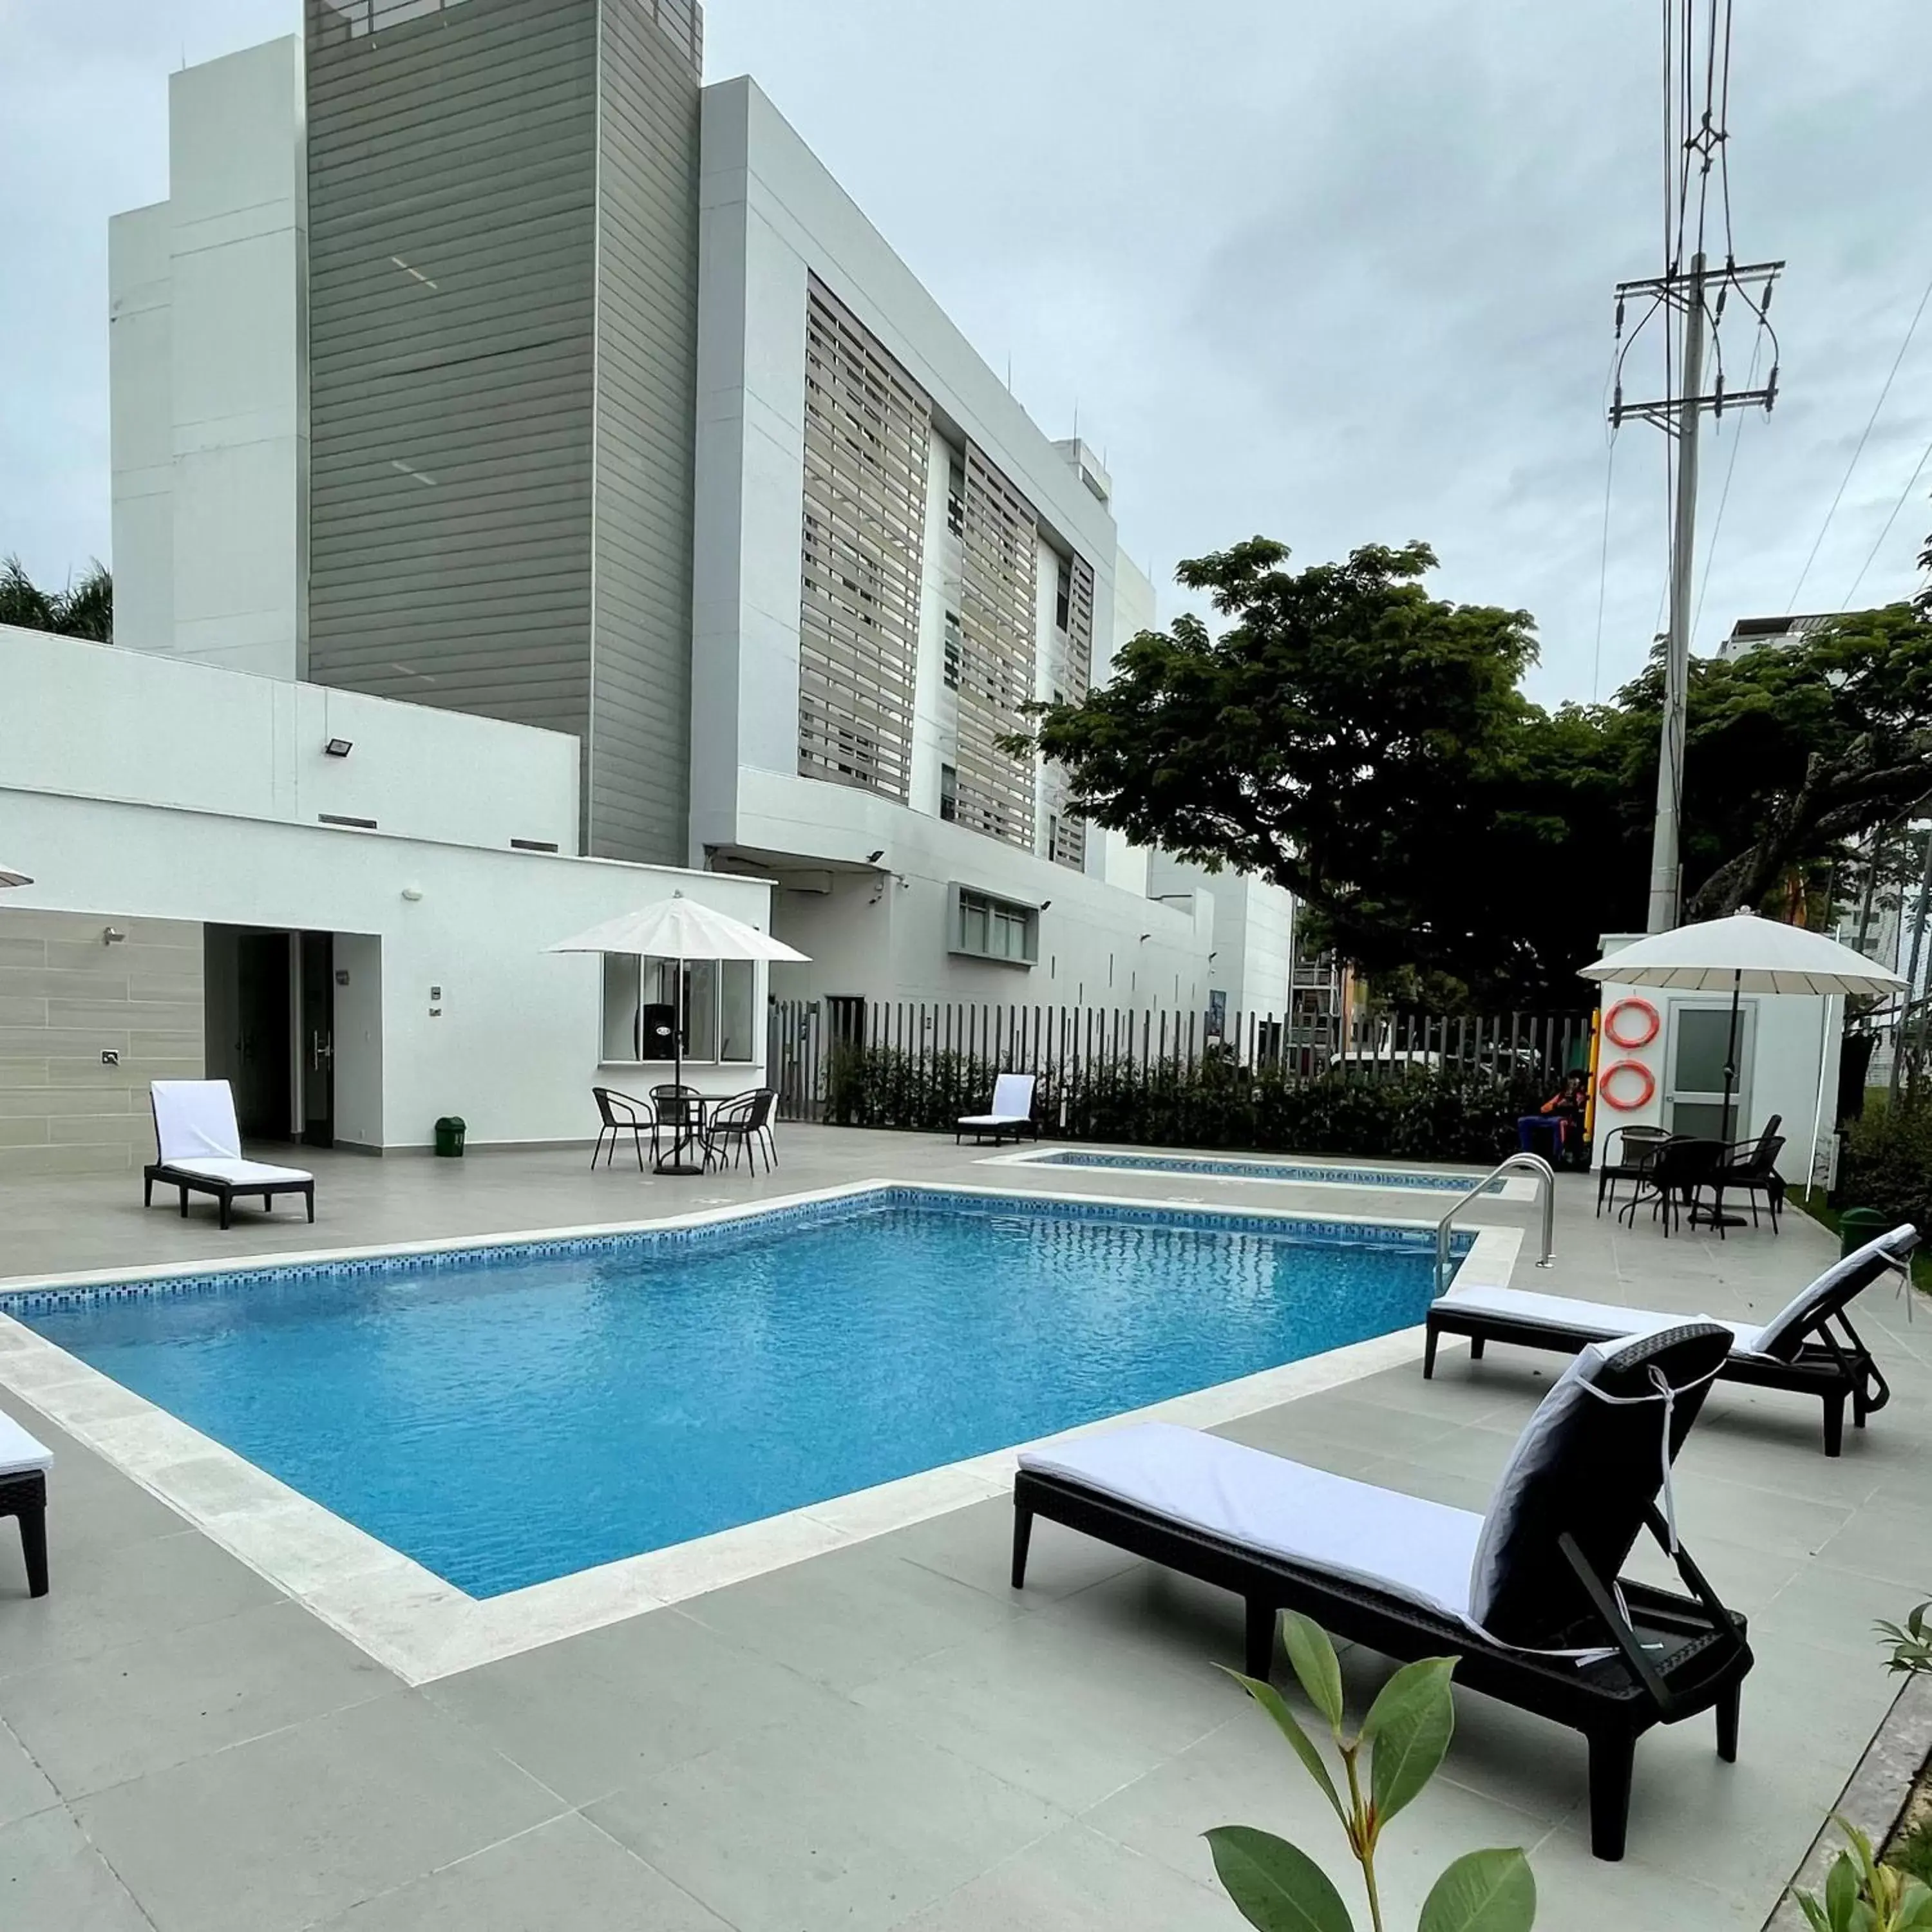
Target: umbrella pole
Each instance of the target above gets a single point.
(1731, 1059)
(1718, 1218)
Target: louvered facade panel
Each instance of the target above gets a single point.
(995, 788)
(1073, 673)
(866, 429)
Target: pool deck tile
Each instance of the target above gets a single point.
(878, 1733)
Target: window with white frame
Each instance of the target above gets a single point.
(642, 998)
(983, 927)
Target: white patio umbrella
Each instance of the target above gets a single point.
(11, 876)
(1743, 954)
(679, 929)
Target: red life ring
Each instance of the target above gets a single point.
(1643, 1039)
(1609, 1073)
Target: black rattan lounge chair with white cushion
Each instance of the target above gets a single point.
(24, 1464)
(198, 1149)
(1528, 1596)
(1011, 1112)
(1808, 1348)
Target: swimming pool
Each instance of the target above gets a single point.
(1308, 1173)
(508, 1415)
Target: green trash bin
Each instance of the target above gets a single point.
(1857, 1226)
(449, 1133)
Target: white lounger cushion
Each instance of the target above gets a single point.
(1605, 1322)
(1012, 1104)
(1421, 1551)
(241, 1173)
(196, 1131)
(20, 1453)
(1599, 1321)
(194, 1119)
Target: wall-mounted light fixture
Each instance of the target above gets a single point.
(1146, 936)
(338, 747)
(1046, 905)
(112, 935)
(873, 858)
(413, 893)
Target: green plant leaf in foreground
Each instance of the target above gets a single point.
(1277, 1887)
(1271, 1701)
(1410, 1722)
(1315, 1665)
(1482, 1891)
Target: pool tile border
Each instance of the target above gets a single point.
(52, 1293)
(423, 1628)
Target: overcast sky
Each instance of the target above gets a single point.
(1338, 275)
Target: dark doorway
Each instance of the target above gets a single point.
(260, 1061)
(318, 1038)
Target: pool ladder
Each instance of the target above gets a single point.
(1517, 1163)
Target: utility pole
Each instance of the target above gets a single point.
(1689, 300)
(1667, 868)
(1685, 296)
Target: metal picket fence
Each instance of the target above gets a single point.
(1066, 1045)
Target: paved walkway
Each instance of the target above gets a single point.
(886, 1736)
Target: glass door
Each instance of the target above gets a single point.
(1694, 1096)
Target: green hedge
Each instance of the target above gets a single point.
(1417, 1115)
(1888, 1162)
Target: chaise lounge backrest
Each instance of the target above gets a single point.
(1590, 1468)
(1013, 1097)
(194, 1119)
(1784, 1334)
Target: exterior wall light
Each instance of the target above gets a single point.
(112, 935)
(338, 747)
(413, 893)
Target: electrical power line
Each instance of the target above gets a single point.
(1724, 495)
(1911, 329)
(1602, 570)
(1925, 457)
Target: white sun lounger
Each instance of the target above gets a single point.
(1529, 1597)
(24, 1464)
(1011, 1112)
(1809, 1347)
(198, 1149)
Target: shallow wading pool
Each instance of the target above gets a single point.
(1236, 1167)
(505, 1415)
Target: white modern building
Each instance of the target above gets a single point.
(309, 893)
(891, 561)
(640, 520)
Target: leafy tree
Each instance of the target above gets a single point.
(1366, 746)
(1344, 738)
(82, 610)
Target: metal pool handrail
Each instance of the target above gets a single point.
(1546, 1179)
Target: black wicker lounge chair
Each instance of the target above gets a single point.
(24, 1464)
(198, 1151)
(1011, 1113)
(1809, 1347)
(1528, 1596)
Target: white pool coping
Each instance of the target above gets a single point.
(422, 1628)
(1164, 1164)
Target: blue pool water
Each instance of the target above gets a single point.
(508, 1416)
(1304, 1171)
